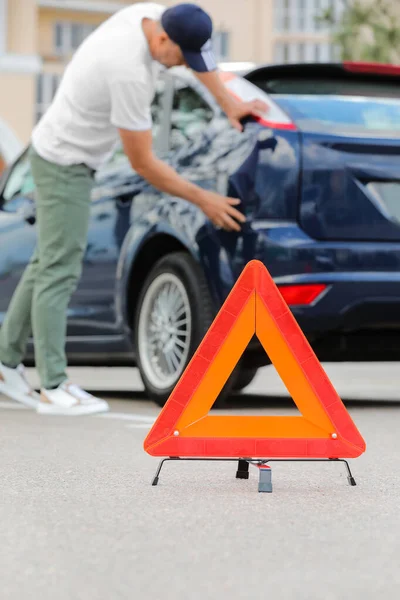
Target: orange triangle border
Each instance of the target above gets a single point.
(184, 428)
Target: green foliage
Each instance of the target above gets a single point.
(368, 30)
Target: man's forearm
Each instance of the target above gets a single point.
(164, 178)
(214, 84)
(234, 109)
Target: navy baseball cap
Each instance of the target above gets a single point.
(190, 27)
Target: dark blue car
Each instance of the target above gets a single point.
(319, 181)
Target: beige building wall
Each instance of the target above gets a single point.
(21, 26)
(17, 66)
(16, 106)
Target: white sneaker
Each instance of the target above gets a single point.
(69, 399)
(14, 384)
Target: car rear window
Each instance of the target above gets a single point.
(372, 116)
(352, 86)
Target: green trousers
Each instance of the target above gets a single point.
(40, 301)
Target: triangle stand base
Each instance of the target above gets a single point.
(265, 483)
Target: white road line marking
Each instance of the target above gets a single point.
(13, 405)
(138, 421)
(128, 417)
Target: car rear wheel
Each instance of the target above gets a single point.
(173, 314)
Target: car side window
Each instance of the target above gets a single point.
(20, 181)
(190, 115)
(156, 108)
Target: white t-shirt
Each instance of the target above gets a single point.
(109, 84)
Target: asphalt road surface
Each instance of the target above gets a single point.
(79, 519)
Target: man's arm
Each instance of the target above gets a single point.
(219, 209)
(234, 109)
(213, 83)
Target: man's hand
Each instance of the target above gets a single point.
(242, 109)
(221, 212)
(219, 209)
(233, 108)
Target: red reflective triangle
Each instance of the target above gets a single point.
(185, 429)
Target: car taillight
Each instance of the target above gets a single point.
(372, 67)
(301, 294)
(246, 91)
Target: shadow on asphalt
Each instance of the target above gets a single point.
(253, 400)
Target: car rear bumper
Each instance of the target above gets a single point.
(350, 302)
(357, 316)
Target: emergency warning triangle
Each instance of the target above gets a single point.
(185, 429)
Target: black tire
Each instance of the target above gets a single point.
(244, 378)
(190, 275)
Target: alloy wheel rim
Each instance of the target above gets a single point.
(164, 332)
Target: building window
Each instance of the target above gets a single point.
(278, 16)
(58, 36)
(286, 15)
(317, 12)
(221, 40)
(69, 36)
(300, 52)
(285, 53)
(278, 52)
(46, 87)
(300, 15)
